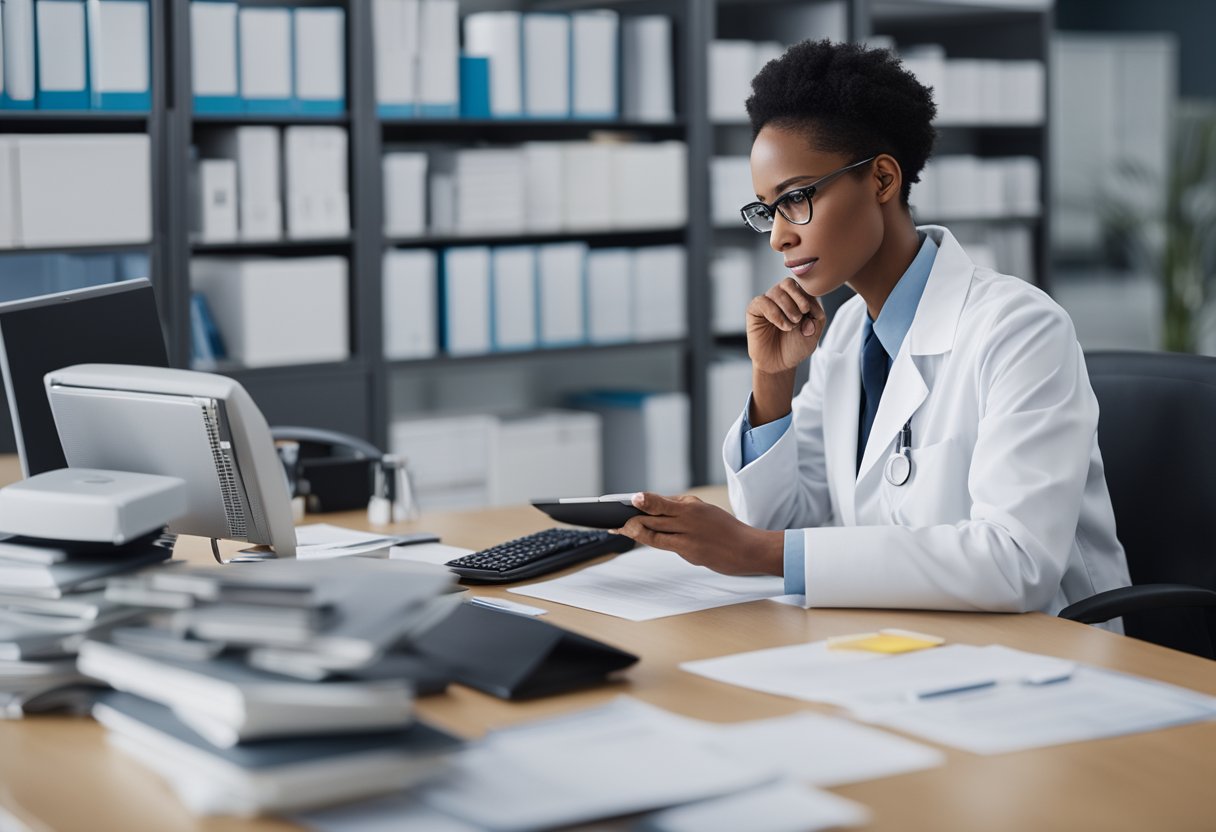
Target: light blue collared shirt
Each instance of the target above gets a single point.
(894, 320)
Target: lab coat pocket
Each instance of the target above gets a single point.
(937, 491)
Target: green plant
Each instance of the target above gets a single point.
(1175, 240)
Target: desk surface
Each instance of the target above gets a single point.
(57, 772)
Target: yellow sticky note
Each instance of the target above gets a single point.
(886, 641)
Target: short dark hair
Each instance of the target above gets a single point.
(849, 99)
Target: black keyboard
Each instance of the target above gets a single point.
(537, 554)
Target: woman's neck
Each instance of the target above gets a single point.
(878, 277)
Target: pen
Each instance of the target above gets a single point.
(921, 695)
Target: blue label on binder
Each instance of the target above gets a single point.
(63, 99)
(321, 107)
(438, 110)
(217, 104)
(137, 102)
(268, 106)
(391, 111)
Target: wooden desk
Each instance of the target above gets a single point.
(58, 773)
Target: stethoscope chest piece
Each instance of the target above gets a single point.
(898, 469)
(899, 464)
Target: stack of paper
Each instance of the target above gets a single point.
(51, 600)
(252, 676)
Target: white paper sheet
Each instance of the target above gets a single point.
(648, 583)
(1013, 717)
(822, 750)
(778, 807)
(868, 682)
(624, 757)
(436, 553)
(384, 814)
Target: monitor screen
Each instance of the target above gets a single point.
(115, 323)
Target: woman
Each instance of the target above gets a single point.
(943, 454)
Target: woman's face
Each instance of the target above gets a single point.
(846, 227)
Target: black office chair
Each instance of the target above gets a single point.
(1157, 432)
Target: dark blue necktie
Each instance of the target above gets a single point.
(874, 368)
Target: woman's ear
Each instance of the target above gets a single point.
(888, 176)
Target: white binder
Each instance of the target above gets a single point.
(514, 302)
(561, 283)
(411, 309)
(62, 41)
(120, 55)
(265, 59)
(395, 41)
(319, 43)
(647, 92)
(213, 56)
(609, 295)
(593, 64)
(439, 69)
(546, 66)
(217, 200)
(466, 300)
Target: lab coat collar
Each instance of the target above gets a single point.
(932, 333)
(936, 322)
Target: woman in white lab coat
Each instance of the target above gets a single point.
(943, 454)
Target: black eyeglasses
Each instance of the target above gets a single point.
(794, 205)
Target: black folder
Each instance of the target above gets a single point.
(514, 657)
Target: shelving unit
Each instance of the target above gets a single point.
(355, 395)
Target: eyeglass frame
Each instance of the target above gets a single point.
(807, 190)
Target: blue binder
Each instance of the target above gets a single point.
(474, 87)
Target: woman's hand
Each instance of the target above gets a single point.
(783, 327)
(705, 535)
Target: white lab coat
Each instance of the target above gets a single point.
(1007, 508)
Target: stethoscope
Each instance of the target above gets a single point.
(899, 464)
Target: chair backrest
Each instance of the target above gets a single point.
(1157, 433)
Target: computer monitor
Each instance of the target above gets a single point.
(115, 323)
(201, 428)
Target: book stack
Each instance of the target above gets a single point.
(51, 600)
(278, 686)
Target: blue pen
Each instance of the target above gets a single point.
(930, 694)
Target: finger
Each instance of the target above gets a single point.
(656, 504)
(786, 302)
(800, 296)
(765, 307)
(659, 523)
(659, 540)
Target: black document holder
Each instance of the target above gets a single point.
(513, 657)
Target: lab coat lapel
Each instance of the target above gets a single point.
(932, 333)
(904, 393)
(842, 398)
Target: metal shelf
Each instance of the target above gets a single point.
(335, 245)
(534, 355)
(594, 238)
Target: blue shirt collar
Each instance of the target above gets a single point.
(895, 317)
